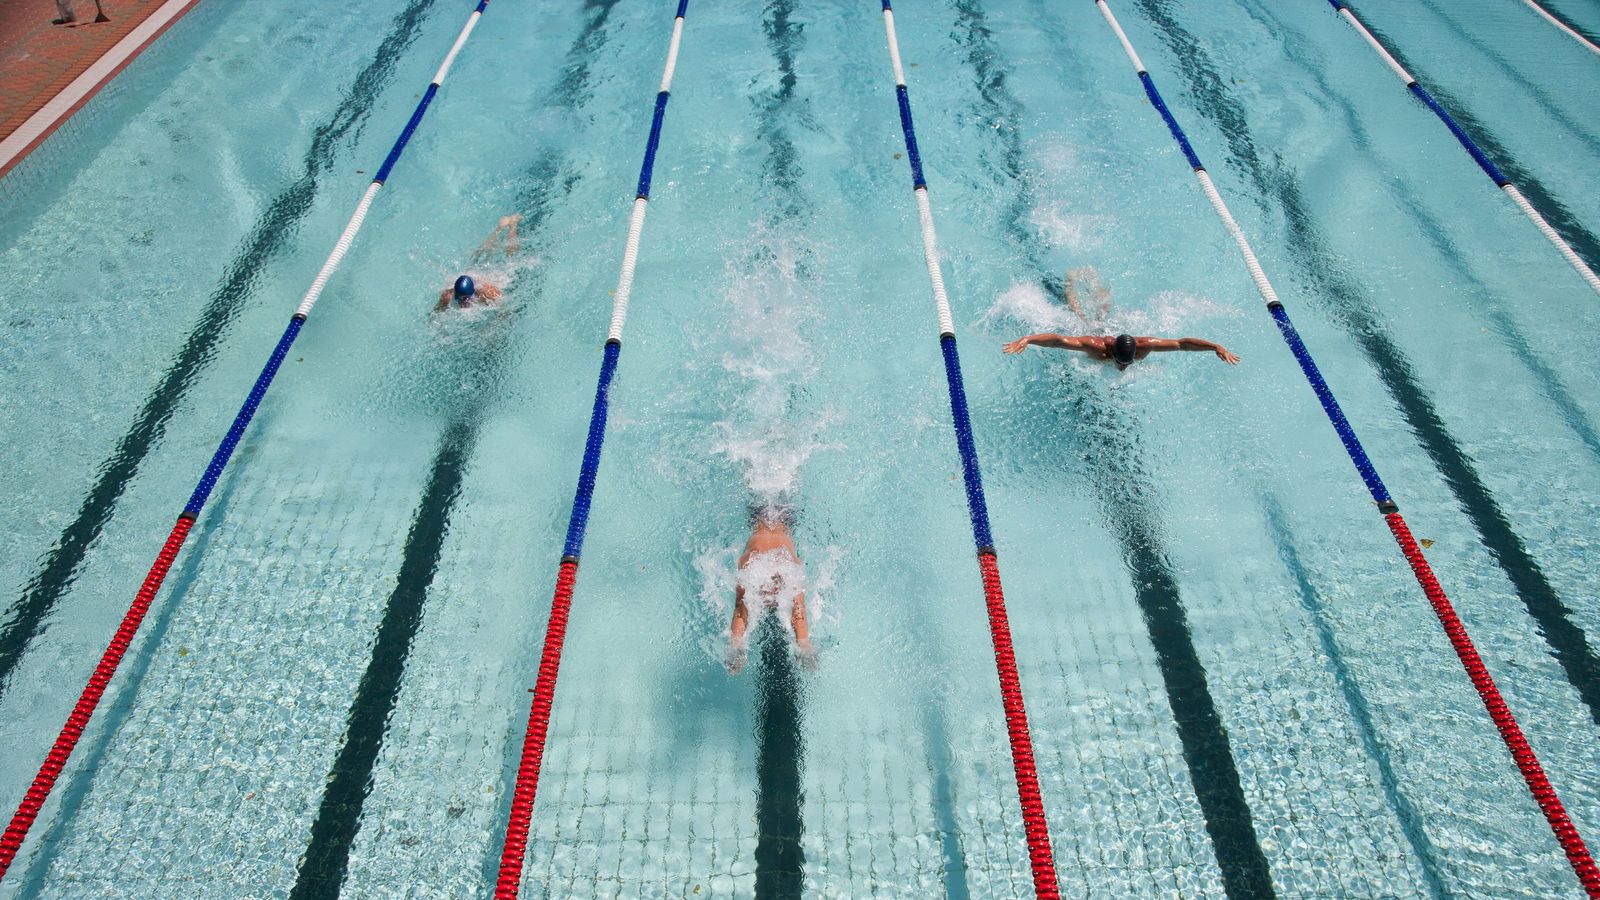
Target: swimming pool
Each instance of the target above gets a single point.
(1219, 645)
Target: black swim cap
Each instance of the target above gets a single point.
(465, 288)
(1125, 350)
(772, 513)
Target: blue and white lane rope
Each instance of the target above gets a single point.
(1511, 733)
(1571, 32)
(61, 751)
(1472, 148)
(1034, 825)
(515, 847)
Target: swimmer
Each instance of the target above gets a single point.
(466, 292)
(769, 538)
(1123, 350)
(503, 242)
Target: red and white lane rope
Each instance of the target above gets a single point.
(526, 789)
(1533, 774)
(1034, 825)
(56, 760)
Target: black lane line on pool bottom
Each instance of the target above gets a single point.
(936, 741)
(322, 870)
(26, 618)
(325, 864)
(1360, 712)
(1560, 217)
(1356, 314)
(780, 753)
(1123, 491)
(83, 775)
(780, 746)
(1546, 103)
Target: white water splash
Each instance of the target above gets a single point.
(1167, 314)
(770, 363)
(768, 430)
(772, 581)
(1077, 233)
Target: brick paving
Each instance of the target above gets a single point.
(38, 60)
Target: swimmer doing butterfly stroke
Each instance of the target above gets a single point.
(1083, 284)
(1124, 350)
(772, 569)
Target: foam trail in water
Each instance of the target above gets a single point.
(769, 364)
(766, 432)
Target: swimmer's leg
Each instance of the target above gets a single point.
(1102, 295)
(513, 240)
(1070, 290)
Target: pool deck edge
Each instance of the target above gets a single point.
(16, 146)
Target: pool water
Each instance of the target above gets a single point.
(1234, 684)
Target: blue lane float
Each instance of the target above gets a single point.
(1472, 148)
(1566, 834)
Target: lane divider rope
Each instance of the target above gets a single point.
(1555, 20)
(1035, 827)
(1472, 148)
(519, 821)
(56, 761)
(1532, 772)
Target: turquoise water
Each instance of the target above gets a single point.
(1184, 538)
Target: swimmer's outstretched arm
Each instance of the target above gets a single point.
(1056, 341)
(444, 300)
(736, 630)
(802, 629)
(1188, 343)
(741, 615)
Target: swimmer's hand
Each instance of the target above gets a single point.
(1018, 345)
(1226, 356)
(807, 654)
(738, 653)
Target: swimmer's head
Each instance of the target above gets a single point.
(1124, 350)
(465, 288)
(771, 515)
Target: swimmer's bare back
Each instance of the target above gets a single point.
(487, 295)
(766, 537)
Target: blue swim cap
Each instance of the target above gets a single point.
(465, 288)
